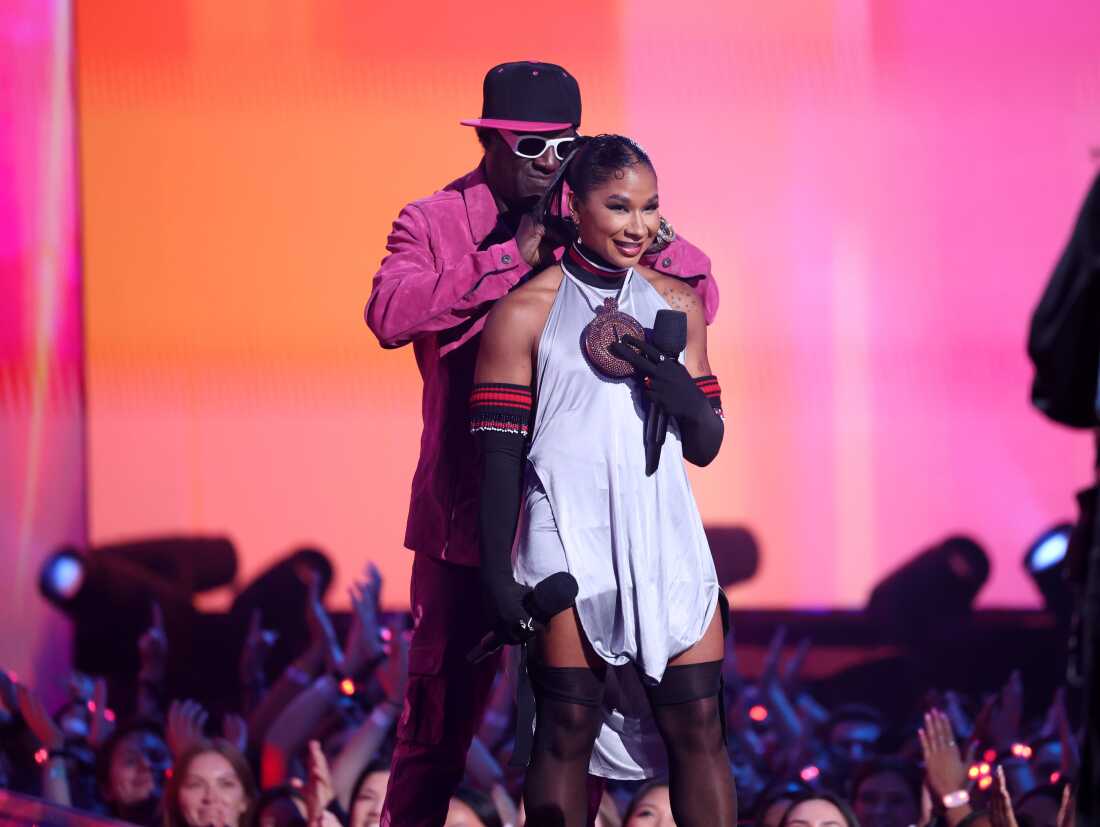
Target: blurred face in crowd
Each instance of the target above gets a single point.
(460, 814)
(653, 810)
(885, 800)
(287, 811)
(75, 721)
(211, 792)
(366, 809)
(773, 816)
(1037, 811)
(854, 741)
(815, 813)
(1047, 760)
(138, 765)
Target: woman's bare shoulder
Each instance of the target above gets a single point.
(529, 303)
(676, 292)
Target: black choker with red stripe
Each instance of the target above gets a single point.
(591, 268)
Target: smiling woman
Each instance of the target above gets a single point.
(212, 784)
(820, 810)
(648, 601)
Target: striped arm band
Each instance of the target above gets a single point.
(709, 386)
(502, 408)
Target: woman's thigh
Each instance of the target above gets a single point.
(563, 645)
(710, 647)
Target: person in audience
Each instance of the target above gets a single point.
(131, 768)
(650, 807)
(1039, 807)
(471, 808)
(211, 785)
(367, 794)
(775, 799)
(819, 810)
(281, 806)
(886, 792)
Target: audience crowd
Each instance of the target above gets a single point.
(311, 746)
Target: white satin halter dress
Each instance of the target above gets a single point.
(635, 544)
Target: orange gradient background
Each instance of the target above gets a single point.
(883, 189)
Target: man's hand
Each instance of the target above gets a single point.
(536, 245)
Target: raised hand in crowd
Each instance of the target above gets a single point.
(393, 674)
(55, 784)
(1058, 719)
(258, 643)
(367, 739)
(364, 648)
(956, 714)
(235, 731)
(945, 770)
(185, 726)
(153, 655)
(999, 722)
(1000, 802)
(103, 720)
(294, 680)
(318, 788)
(321, 632)
(1067, 810)
(9, 703)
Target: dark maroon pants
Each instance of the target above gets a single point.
(446, 697)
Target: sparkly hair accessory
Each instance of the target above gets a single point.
(609, 326)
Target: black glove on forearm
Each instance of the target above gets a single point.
(669, 385)
(499, 417)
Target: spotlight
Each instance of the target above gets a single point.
(108, 592)
(758, 713)
(62, 576)
(1045, 562)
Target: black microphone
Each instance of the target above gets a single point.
(669, 336)
(554, 594)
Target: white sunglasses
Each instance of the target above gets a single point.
(533, 146)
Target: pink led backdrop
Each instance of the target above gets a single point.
(883, 188)
(41, 410)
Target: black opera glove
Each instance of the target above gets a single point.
(668, 384)
(667, 381)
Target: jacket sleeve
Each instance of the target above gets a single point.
(415, 293)
(1064, 339)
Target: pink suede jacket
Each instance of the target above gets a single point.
(434, 289)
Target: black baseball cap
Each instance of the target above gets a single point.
(526, 96)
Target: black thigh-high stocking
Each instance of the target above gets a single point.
(567, 721)
(686, 706)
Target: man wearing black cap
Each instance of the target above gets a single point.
(451, 255)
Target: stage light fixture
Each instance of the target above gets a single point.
(1045, 562)
(925, 599)
(62, 576)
